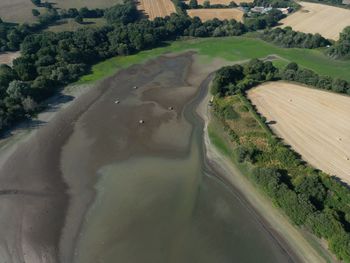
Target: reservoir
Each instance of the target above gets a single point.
(106, 182)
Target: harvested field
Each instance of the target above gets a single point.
(156, 8)
(8, 57)
(17, 11)
(86, 3)
(326, 20)
(315, 123)
(224, 2)
(220, 13)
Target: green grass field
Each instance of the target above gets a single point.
(85, 3)
(232, 49)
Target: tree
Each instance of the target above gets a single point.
(35, 12)
(78, 19)
(206, 4)
(122, 13)
(193, 4)
(36, 2)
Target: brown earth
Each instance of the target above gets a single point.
(223, 13)
(315, 123)
(156, 8)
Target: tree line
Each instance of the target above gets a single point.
(193, 4)
(286, 37)
(341, 48)
(310, 198)
(237, 78)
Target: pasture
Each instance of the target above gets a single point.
(65, 4)
(220, 13)
(17, 11)
(156, 8)
(313, 18)
(315, 123)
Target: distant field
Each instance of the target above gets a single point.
(314, 122)
(71, 25)
(313, 18)
(17, 11)
(82, 3)
(8, 57)
(156, 8)
(210, 13)
(223, 2)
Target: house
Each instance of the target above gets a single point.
(286, 11)
(260, 9)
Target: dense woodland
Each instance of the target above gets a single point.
(286, 37)
(310, 198)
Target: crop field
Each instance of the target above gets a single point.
(315, 123)
(326, 20)
(223, 2)
(220, 13)
(85, 3)
(8, 57)
(156, 8)
(17, 11)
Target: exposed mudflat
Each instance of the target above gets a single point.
(97, 152)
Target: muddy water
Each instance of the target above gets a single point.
(157, 199)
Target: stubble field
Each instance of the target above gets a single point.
(17, 11)
(208, 14)
(156, 8)
(315, 123)
(313, 18)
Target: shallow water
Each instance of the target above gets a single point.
(172, 208)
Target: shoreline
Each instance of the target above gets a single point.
(291, 240)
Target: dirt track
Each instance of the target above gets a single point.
(315, 123)
(208, 14)
(158, 8)
(314, 18)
